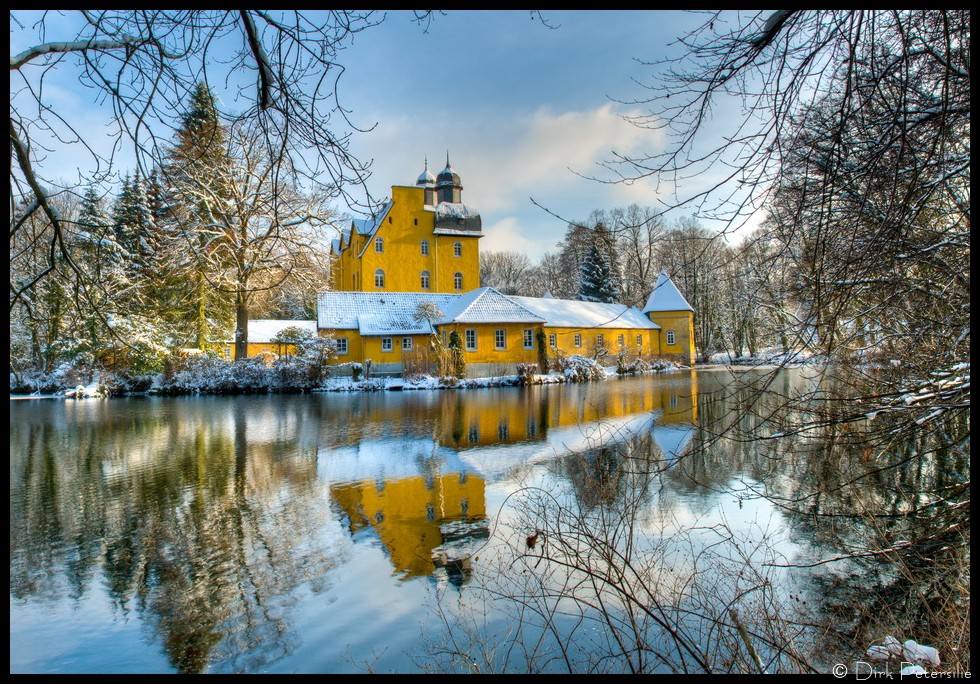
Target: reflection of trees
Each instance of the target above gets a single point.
(621, 469)
(883, 503)
(205, 532)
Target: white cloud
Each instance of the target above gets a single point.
(507, 234)
(505, 161)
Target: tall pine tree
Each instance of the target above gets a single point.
(598, 273)
(198, 175)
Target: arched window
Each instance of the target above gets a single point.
(425, 247)
(379, 278)
(425, 280)
(458, 249)
(379, 245)
(458, 280)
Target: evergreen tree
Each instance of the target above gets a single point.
(198, 174)
(598, 275)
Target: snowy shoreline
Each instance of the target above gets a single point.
(347, 384)
(576, 369)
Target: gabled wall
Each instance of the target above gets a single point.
(402, 230)
(681, 323)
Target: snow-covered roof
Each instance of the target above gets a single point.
(571, 313)
(426, 179)
(369, 226)
(456, 210)
(377, 313)
(666, 297)
(335, 246)
(393, 313)
(262, 331)
(486, 305)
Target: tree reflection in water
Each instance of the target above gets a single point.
(203, 534)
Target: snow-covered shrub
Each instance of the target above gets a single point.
(632, 367)
(577, 368)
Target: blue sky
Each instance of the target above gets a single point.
(523, 110)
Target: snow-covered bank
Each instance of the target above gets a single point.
(772, 356)
(219, 377)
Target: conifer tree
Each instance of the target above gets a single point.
(197, 176)
(598, 275)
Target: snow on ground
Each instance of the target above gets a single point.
(771, 356)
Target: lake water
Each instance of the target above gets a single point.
(401, 531)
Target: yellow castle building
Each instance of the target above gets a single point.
(413, 270)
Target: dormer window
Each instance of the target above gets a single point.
(379, 245)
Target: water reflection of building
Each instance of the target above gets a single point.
(406, 492)
(410, 491)
(483, 420)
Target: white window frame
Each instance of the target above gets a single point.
(500, 339)
(424, 247)
(457, 249)
(622, 340)
(600, 340)
(528, 338)
(425, 280)
(470, 335)
(387, 345)
(379, 245)
(379, 278)
(553, 340)
(406, 344)
(671, 338)
(639, 341)
(341, 346)
(578, 339)
(458, 280)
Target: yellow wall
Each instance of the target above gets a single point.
(566, 340)
(682, 324)
(402, 231)
(486, 351)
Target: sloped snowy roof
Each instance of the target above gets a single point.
(570, 313)
(456, 210)
(377, 313)
(486, 305)
(369, 226)
(400, 321)
(666, 297)
(263, 330)
(335, 246)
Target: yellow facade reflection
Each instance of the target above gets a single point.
(407, 513)
(413, 513)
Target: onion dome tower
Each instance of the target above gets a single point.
(448, 186)
(427, 181)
